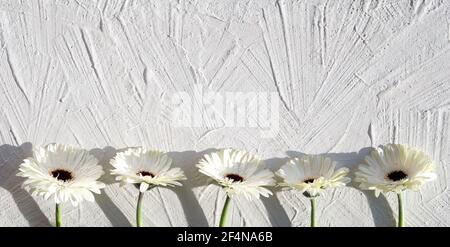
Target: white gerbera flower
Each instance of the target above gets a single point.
(146, 168)
(239, 172)
(312, 174)
(64, 172)
(394, 168)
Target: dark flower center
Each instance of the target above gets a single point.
(397, 175)
(62, 175)
(309, 180)
(235, 177)
(145, 173)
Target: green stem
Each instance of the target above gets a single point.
(138, 210)
(58, 215)
(223, 217)
(313, 211)
(401, 222)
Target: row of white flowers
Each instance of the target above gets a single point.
(65, 173)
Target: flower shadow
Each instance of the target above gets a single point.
(10, 159)
(104, 201)
(382, 213)
(187, 160)
(277, 215)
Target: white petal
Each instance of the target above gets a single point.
(143, 187)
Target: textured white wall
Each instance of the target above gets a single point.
(349, 75)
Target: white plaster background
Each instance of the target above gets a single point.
(350, 75)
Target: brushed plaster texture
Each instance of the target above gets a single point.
(348, 76)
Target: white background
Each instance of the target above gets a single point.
(349, 75)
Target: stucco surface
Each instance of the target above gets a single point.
(347, 76)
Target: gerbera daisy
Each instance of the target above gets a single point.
(146, 169)
(395, 168)
(311, 175)
(63, 172)
(239, 173)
